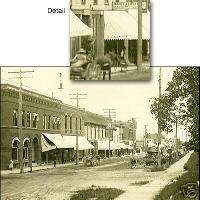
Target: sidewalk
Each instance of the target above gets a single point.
(35, 168)
(103, 162)
(149, 190)
(130, 67)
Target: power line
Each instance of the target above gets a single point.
(20, 72)
(77, 98)
(107, 112)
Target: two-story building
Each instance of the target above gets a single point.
(49, 128)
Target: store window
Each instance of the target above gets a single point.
(15, 115)
(28, 119)
(44, 121)
(35, 120)
(95, 2)
(83, 2)
(15, 148)
(106, 2)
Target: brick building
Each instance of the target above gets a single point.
(40, 114)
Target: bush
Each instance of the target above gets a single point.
(173, 190)
(97, 193)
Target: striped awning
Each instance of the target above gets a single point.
(145, 21)
(120, 25)
(77, 27)
(64, 141)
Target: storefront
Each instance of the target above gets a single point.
(121, 31)
(63, 147)
(78, 31)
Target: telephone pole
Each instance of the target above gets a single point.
(159, 128)
(145, 137)
(110, 113)
(20, 77)
(77, 97)
(139, 41)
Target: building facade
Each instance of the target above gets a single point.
(40, 114)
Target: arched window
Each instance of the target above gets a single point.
(25, 148)
(15, 148)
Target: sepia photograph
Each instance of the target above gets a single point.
(81, 141)
(110, 40)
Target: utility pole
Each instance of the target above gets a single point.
(139, 41)
(110, 113)
(21, 164)
(77, 97)
(134, 133)
(176, 140)
(145, 137)
(159, 128)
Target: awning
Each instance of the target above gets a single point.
(58, 140)
(145, 21)
(104, 145)
(46, 146)
(83, 143)
(120, 25)
(77, 27)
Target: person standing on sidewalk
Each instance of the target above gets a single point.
(54, 160)
(11, 165)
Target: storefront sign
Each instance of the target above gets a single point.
(129, 5)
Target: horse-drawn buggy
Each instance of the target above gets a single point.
(85, 67)
(92, 161)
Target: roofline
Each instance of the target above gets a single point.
(6, 85)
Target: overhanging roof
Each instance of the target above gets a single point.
(120, 25)
(145, 21)
(65, 141)
(46, 146)
(77, 27)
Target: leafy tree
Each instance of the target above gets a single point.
(182, 97)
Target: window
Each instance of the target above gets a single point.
(58, 123)
(76, 123)
(54, 122)
(70, 123)
(23, 118)
(66, 121)
(49, 122)
(28, 119)
(95, 2)
(83, 1)
(35, 120)
(80, 124)
(106, 2)
(15, 147)
(44, 121)
(15, 117)
(25, 149)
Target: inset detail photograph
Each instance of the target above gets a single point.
(110, 40)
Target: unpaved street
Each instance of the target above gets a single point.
(60, 182)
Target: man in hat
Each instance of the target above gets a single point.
(80, 59)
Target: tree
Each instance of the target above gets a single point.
(181, 96)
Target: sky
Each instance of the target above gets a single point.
(129, 98)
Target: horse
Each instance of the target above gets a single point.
(105, 62)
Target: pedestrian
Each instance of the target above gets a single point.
(11, 165)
